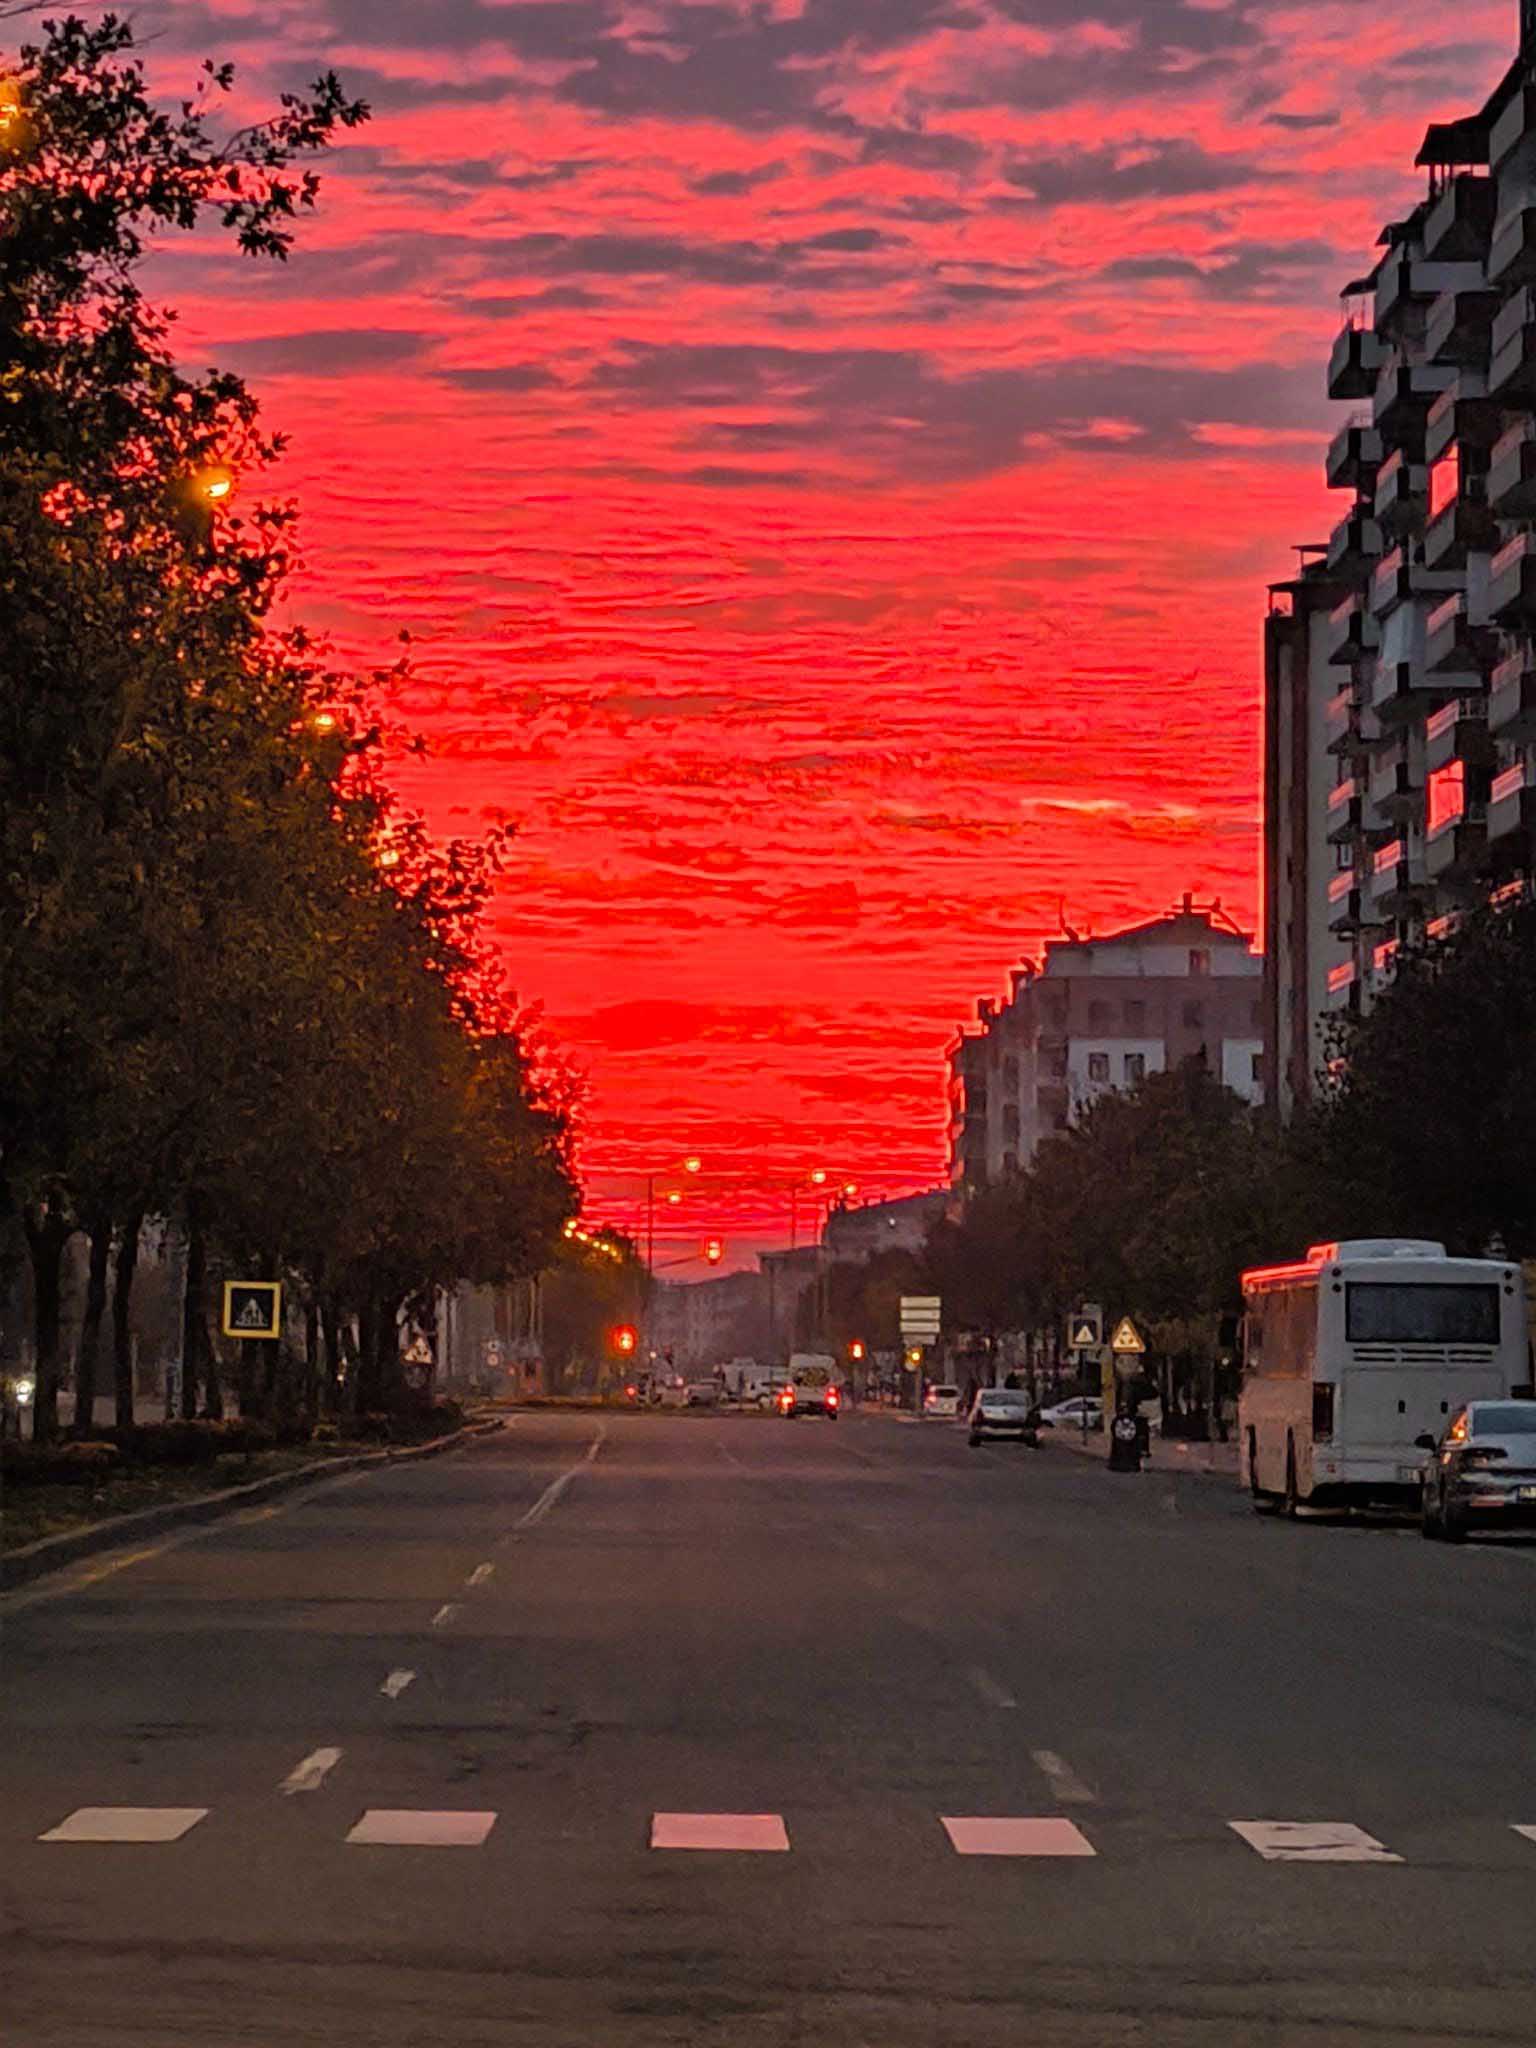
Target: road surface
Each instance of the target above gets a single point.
(995, 1747)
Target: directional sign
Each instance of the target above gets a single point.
(253, 1308)
(1127, 1337)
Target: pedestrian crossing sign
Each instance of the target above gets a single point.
(253, 1308)
(1084, 1337)
(1127, 1337)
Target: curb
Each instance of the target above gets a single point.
(1070, 1441)
(52, 1553)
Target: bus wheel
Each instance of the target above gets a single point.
(1292, 1498)
(1263, 1503)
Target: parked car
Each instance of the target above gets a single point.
(1069, 1414)
(942, 1401)
(1482, 1472)
(701, 1394)
(1003, 1411)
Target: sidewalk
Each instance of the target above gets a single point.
(1169, 1454)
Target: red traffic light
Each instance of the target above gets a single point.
(624, 1338)
(856, 1349)
(714, 1251)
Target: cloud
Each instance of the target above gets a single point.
(324, 351)
(1120, 173)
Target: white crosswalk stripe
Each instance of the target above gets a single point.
(1312, 1841)
(421, 1828)
(1019, 1835)
(1526, 1828)
(733, 1831)
(126, 1824)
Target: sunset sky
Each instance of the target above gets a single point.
(830, 454)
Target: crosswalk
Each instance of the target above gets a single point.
(1026, 1836)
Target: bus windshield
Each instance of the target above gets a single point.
(1421, 1312)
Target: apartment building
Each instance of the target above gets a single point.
(1400, 660)
(1100, 1013)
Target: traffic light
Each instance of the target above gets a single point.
(914, 1357)
(714, 1251)
(624, 1338)
(856, 1350)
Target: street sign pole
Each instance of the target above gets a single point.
(921, 1315)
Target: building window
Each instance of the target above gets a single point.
(1136, 1016)
(1098, 1066)
(1257, 1069)
(1135, 1068)
(1011, 1074)
(1194, 1016)
(1010, 1123)
(1098, 1016)
(1010, 1162)
(1199, 960)
(1447, 795)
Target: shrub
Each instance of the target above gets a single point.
(83, 1464)
(375, 1427)
(171, 1443)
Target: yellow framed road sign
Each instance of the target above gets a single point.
(1127, 1337)
(253, 1308)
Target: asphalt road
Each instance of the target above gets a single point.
(853, 1631)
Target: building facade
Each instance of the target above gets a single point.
(1400, 662)
(1102, 1013)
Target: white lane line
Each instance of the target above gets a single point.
(445, 1613)
(741, 1831)
(126, 1824)
(994, 1694)
(1002, 1836)
(1526, 1828)
(1312, 1841)
(1069, 1788)
(419, 1828)
(729, 1456)
(480, 1574)
(396, 1683)
(531, 1517)
(310, 1775)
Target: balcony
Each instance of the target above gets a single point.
(1463, 412)
(1344, 807)
(1407, 278)
(1402, 494)
(1454, 651)
(1353, 633)
(1512, 806)
(1350, 728)
(1454, 851)
(1343, 986)
(1512, 699)
(1458, 732)
(1401, 691)
(1393, 794)
(1512, 362)
(1512, 252)
(1510, 129)
(1354, 455)
(1512, 473)
(1346, 905)
(1463, 527)
(1354, 547)
(1459, 328)
(1397, 580)
(1356, 358)
(1459, 225)
(1401, 400)
(1512, 583)
(1397, 879)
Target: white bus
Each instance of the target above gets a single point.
(1354, 1351)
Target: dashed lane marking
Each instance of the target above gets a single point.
(1044, 1835)
(445, 1614)
(731, 1831)
(1312, 1841)
(126, 1824)
(419, 1828)
(311, 1774)
(994, 1694)
(480, 1574)
(396, 1683)
(551, 1494)
(1068, 1787)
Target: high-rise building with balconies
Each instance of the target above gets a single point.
(1400, 660)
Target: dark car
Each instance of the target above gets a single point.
(1482, 1474)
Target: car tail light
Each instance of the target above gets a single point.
(1322, 1410)
(832, 1397)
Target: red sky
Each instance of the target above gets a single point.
(830, 454)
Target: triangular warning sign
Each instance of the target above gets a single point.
(253, 1316)
(1126, 1337)
(1084, 1337)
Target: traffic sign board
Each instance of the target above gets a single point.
(1085, 1335)
(1127, 1337)
(920, 1315)
(253, 1308)
(418, 1352)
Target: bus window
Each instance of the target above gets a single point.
(1409, 1312)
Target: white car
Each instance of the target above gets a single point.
(1070, 1414)
(942, 1401)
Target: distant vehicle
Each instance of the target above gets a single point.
(701, 1394)
(1070, 1414)
(812, 1387)
(766, 1384)
(1002, 1411)
(1482, 1472)
(670, 1392)
(1354, 1353)
(942, 1401)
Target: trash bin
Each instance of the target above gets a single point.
(1124, 1445)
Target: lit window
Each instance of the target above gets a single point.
(1445, 481)
(1447, 795)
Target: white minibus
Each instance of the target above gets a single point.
(1352, 1352)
